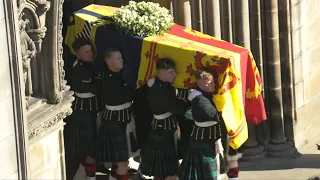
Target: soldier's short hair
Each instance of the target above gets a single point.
(204, 73)
(79, 42)
(108, 51)
(165, 63)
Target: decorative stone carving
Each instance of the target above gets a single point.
(37, 35)
(32, 17)
(28, 51)
(48, 123)
(43, 7)
(54, 98)
(63, 83)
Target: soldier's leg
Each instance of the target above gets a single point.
(87, 135)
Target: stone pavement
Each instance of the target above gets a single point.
(301, 166)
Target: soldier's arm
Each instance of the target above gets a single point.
(175, 106)
(83, 83)
(204, 107)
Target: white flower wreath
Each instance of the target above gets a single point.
(143, 19)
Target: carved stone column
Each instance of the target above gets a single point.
(196, 15)
(226, 20)
(52, 79)
(212, 18)
(37, 35)
(286, 69)
(241, 25)
(278, 145)
(183, 15)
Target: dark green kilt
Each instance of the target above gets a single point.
(112, 143)
(79, 139)
(159, 157)
(80, 134)
(199, 162)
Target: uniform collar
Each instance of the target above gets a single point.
(206, 94)
(162, 83)
(111, 73)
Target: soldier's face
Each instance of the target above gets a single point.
(167, 75)
(115, 61)
(85, 53)
(206, 85)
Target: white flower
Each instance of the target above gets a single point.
(143, 19)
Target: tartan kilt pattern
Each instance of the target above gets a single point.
(199, 162)
(159, 157)
(112, 143)
(80, 135)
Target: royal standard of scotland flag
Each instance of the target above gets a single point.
(238, 84)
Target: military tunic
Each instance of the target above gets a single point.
(159, 155)
(199, 161)
(116, 138)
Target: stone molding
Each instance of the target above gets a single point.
(46, 117)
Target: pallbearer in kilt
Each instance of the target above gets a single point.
(200, 160)
(116, 140)
(160, 156)
(81, 127)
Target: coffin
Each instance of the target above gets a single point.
(238, 95)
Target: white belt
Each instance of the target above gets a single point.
(205, 124)
(84, 95)
(163, 116)
(119, 107)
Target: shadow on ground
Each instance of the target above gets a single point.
(304, 161)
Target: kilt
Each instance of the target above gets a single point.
(112, 143)
(199, 162)
(159, 157)
(80, 134)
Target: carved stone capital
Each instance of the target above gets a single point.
(48, 123)
(37, 35)
(43, 7)
(54, 97)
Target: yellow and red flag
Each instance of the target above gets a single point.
(238, 84)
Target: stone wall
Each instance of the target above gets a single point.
(8, 160)
(47, 156)
(306, 53)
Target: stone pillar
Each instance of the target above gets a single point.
(196, 15)
(278, 145)
(286, 69)
(212, 20)
(183, 13)
(226, 20)
(51, 49)
(38, 72)
(241, 28)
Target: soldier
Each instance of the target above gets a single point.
(159, 155)
(116, 140)
(200, 160)
(81, 127)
